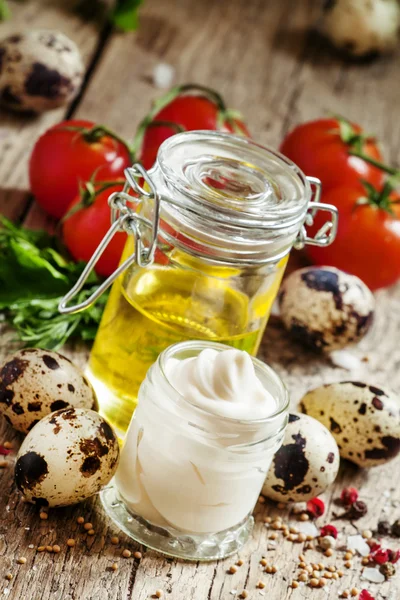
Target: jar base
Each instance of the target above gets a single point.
(171, 542)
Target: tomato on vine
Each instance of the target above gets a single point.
(368, 237)
(70, 154)
(335, 151)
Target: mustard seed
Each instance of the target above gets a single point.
(80, 520)
(281, 505)
(340, 573)
(114, 567)
(8, 445)
(273, 536)
(328, 575)
(44, 516)
(267, 520)
(354, 591)
(91, 532)
(276, 525)
(159, 594)
(332, 568)
(114, 540)
(293, 530)
(263, 562)
(71, 543)
(261, 585)
(274, 569)
(244, 594)
(9, 576)
(309, 569)
(367, 535)
(348, 564)
(302, 565)
(321, 567)
(302, 557)
(292, 537)
(295, 584)
(365, 561)
(137, 555)
(345, 594)
(348, 556)
(303, 577)
(335, 576)
(21, 560)
(304, 517)
(3, 464)
(314, 582)
(49, 548)
(126, 553)
(232, 569)
(322, 582)
(328, 552)
(261, 499)
(309, 538)
(41, 548)
(56, 548)
(315, 574)
(88, 526)
(315, 567)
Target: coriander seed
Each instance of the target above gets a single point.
(137, 555)
(114, 540)
(71, 543)
(126, 553)
(88, 526)
(114, 567)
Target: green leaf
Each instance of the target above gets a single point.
(125, 14)
(5, 12)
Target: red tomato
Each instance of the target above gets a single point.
(320, 150)
(368, 238)
(84, 230)
(61, 159)
(190, 113)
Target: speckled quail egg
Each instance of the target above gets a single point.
(363, 419)
(67, 457)
(325, 308)
(306, 463)
(34, 383)
(39, 70)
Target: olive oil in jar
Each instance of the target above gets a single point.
(159, 306)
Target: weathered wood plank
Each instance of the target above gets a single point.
(18, 133)
(260, 56)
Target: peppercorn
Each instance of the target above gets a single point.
(396, 528)
(357, 510)
(388, 570)
(384, 527)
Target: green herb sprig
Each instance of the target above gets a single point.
(35, 272)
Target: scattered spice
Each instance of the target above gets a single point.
(380, 556)
(114, 567)
(9, 576)
(394, 556)
(71, 543)
(267, 520)
(295, 584)
(349, 496)
(365, 595)
(322, 582)
(315, 508)
(232, 569)
(329, 530)
(329, 552)
(138, 555)
(244, 594)
(114, 540)
(396, 528)
(303, 577)
(263, 562)
(49, 548)
(304, 517)
(261, 585)
(88, 526)
(261, 499)
(384, 528)
(357, 510)
(44, 516)
(327, 542)
(126, 553)
(8, 445)
(367, 534)
(21, 560)
(41, 548)
(4, 451)
(80, 520)
(56, 548)
(314, 582)
(91, 532)
(159, 594)
(388, 570)
(3, 464)
(348, 564)
(273, 536)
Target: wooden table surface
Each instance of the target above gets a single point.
(261, 56)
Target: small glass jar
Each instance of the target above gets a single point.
(188, 480)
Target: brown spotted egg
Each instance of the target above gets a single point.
(67, 457)
(306, 463)
(39, 70)
(364, 419)
(325, 308)
(34, 383)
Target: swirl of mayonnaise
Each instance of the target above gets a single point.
(222, 383)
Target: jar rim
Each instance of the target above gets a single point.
(284, 399)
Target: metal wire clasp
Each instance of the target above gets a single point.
(327, 233)
(123, 218)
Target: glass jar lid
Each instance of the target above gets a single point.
(234, 196)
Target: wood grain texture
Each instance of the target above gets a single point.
(261, 56)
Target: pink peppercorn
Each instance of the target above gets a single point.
(315, 507)
(329, 530)
(349, 496)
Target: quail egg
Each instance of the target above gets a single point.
(326, 308)
(34, 383)
(306, 463)
(67, 457)
(363, 419)
(39, 70)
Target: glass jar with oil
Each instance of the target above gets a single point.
(221, 214)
